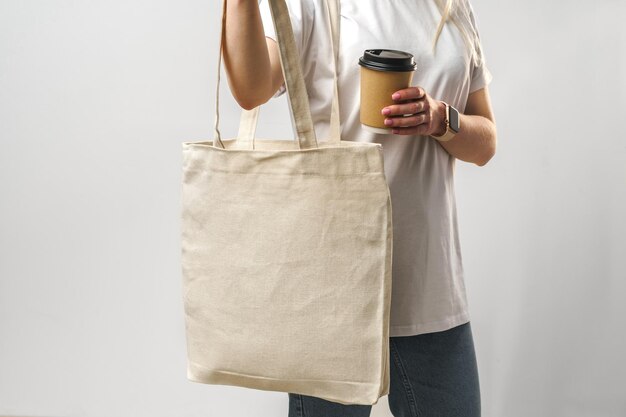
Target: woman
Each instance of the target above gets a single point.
(433, 363)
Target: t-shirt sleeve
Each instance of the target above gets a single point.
(480, 74)
(301, 14)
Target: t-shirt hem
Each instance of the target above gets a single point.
(482, 82)
(430, 327)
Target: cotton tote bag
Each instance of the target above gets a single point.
(286, 254)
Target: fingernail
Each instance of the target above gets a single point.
(395, 96)
(386, 112)
(388, 122)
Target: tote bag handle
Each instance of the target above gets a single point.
(249, 118)
(292, 73)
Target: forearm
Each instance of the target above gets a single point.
(476, 142)
(246, 57)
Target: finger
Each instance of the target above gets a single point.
(412, 107)
(408, 93)
(414, 130)
(407, 121)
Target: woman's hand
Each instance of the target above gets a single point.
(425, 115)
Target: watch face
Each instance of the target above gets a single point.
(454, 120)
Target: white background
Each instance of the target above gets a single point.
(95, 100)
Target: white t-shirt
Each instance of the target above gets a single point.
(428, 289)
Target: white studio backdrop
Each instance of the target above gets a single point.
(95, 100)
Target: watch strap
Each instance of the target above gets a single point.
(449, 133)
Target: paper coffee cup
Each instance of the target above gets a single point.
(383, 72)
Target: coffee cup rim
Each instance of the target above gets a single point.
(400, 65)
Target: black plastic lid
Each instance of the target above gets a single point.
(387, 60)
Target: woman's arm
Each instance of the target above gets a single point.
(251, 60)
(476, 142)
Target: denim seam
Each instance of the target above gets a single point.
(300, 400)
(408, 389)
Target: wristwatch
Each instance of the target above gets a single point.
(453, 124)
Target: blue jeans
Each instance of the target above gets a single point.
(431, 375)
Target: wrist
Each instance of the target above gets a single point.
(440, 127)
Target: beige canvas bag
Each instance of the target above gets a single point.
(286, 254)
